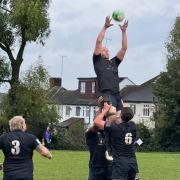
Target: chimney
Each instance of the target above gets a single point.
(55, 82)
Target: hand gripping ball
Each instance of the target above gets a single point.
(118, 15)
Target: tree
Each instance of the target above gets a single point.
(21, 22)
(144, 133)
(167, 89)
(33, 101)
(66, 138)
(4, 68)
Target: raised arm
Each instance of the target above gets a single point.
(94, 128)
(121, 53)
(44, 151)
(101, 35)
(99, 119)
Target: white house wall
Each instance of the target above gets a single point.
(88, 119)
(139, 117)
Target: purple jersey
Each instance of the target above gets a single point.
(47, 136)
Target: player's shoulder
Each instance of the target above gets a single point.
(89, 133)
(29, 135)
(5, 135)
(112, 125)
(2, 136)
(116, 60)
(32, 138)
(96, 57)
(132, 124)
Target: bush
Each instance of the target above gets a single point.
(70, 138)
(144, 134)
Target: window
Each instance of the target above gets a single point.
(93, 87)
(87, 111)
(94, 111)
(78, 111)
(82, 87)
(146, 110)
(133, 107)
(68, 110)
(83, 111)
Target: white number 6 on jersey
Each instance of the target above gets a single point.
(128, 138)
(15, 150)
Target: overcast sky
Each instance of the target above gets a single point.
(75, 25)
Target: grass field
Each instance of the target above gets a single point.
(67, 165)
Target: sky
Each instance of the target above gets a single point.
(74, 28)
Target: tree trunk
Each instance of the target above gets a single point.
(13, 92)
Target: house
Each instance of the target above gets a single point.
(142, 100)
(71, 121)
(80, 103)
(125, 81)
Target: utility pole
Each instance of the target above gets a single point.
(62, 62)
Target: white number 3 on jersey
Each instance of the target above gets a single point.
(15, 150)
(128, 138)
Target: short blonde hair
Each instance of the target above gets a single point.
(112, 110)
(16, 123)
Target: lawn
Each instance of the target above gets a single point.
(68, 165)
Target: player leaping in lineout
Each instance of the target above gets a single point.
(107, 71)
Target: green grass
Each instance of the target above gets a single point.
(68, 165)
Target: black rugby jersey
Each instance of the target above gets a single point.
(18, 147)
(122, 137)
(107, 73)
(96, 145)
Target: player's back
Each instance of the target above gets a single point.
(95, 143)
(18, 147)
(122, 139)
